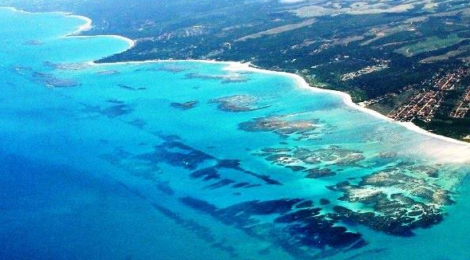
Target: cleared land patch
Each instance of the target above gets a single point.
(278, 30)
(430, 44)
(447, 56)
(360, 8)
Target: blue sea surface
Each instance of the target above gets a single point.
(197, 160)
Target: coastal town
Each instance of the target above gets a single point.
(425, 102)
(238, 130)
(463, 106)
(381, 65)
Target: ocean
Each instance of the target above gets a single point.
(206, 160)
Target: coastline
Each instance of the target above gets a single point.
(88, 25)
(235, 66)
(157, 135)
(301, 83)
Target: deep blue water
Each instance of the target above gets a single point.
(193, 160)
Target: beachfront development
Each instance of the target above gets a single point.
(388, 55)
(424, 104)
(231, 130)
(155, 159)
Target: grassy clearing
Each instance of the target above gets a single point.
(430, 44)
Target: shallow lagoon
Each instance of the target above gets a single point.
(196, 160)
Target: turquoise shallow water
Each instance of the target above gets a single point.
(194, 160)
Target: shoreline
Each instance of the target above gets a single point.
(235, 66)
(303, 84)
(300, 82)
(88, 25)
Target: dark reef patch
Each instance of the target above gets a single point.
(108, 72)
(315, 173)
(200, 231)
(67, 66)
(54, 82)
(399, 202)
(315, 162)
(238, 103)
(117, 110)
(185, 105)
(33, 43)
(230, 78)
(281, 125)
(174, 68)
(177, 154)
(301, 232)
(131, 88)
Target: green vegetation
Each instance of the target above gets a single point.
(318, 39)
(431, 44)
